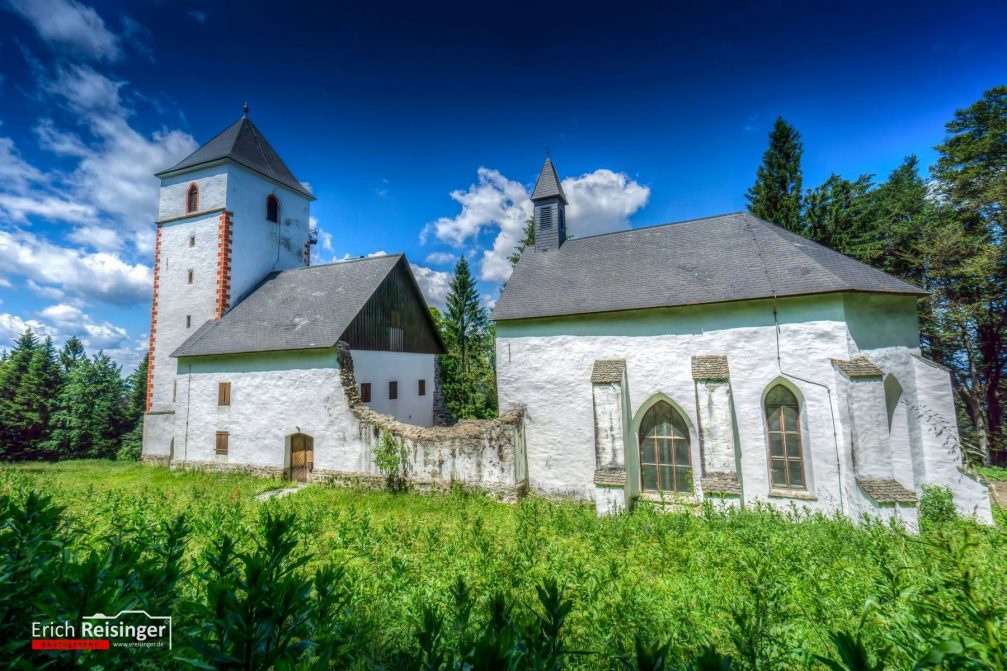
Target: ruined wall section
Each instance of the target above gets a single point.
(484, 455)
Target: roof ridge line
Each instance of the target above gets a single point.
(778, 230)
(647, 228)
(338, 263)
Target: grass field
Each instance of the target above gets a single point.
(766, 588)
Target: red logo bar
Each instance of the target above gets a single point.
(69, 644)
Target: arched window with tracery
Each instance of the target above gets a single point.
(665, 458)
(786, 452)
(192, 199)
(272, 208)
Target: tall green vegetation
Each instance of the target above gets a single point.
(66, 404)
(945, 234)
(468, 379)
(776, 194)
(332, 577)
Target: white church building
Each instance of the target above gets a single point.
(720, 359)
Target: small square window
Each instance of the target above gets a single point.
(222, 439)
(365, 392)
(174, 391)
(192, 240)
(224, 393)
(188, 321)
(189, 275)
(393, 390)
(423, 388)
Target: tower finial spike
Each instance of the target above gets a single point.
(244, 111)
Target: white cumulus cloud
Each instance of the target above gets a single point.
(434, 284)
(71, 26)
(97, 275)
(600, 202)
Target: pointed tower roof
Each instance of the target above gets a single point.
(548, 185)
(242, 143)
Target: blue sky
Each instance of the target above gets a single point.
(421, 127)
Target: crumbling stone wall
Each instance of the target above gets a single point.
(486, 455)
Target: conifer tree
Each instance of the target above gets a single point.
(15, 423)
(971, 264)
(88, 422)
(132, 440)
(468, 381)
(834, 213)
(70, 354)
(465, 320)
(776, 194)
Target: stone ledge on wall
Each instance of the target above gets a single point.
(504, 493)
(154, 459)
(223, 467)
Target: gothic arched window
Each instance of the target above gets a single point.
(783, 426)
(665, 459)
(192, 199)
(272, 208)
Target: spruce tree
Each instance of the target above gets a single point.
(776, 194)
(465, 320)
(15, 405)
(132, 440)
(468, 381)
(834, 213)
(38, 391)
(88, 422)
(70, 354)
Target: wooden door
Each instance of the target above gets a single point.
(301, 456)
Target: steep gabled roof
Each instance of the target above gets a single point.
(242, 143)
(548, 184)
(730, 257)
(299, 308)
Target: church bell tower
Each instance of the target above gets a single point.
(230, 213)
(550, 209)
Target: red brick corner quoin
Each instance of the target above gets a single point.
(153, 321)
(224, 264)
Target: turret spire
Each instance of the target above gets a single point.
(550, 208)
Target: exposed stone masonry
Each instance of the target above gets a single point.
(224, 264)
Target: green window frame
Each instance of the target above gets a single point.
(665, 451)
(783, 435)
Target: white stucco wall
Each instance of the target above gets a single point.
(260, 246)
(273, 395)
(545, 365)
(379, 368)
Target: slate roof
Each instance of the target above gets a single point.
(887, 491)
(548, 184)
(710, 367)
(242, 143)
(730, 257)
(608, 370)
(858, 367)
(300, 308)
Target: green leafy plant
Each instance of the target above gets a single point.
(392, 459)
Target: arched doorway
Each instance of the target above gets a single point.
(665, 452)
(302, 456)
